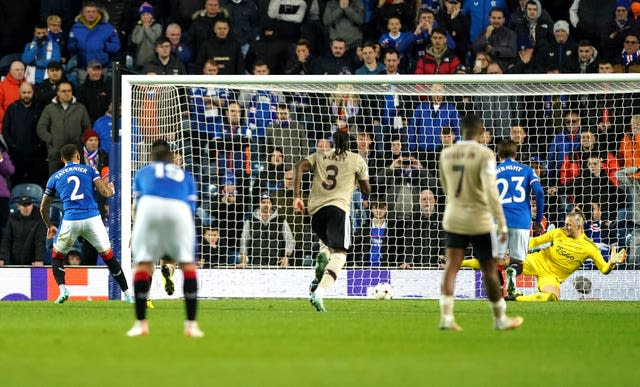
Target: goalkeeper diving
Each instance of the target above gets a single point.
(569, 248)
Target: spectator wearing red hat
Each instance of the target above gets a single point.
(91, 153)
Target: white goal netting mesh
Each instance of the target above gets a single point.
(241, 141)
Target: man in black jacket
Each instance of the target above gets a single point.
(23, 239)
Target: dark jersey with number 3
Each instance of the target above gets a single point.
(468, 177)
(334, 179)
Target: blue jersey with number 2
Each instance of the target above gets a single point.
(73, 184)
(165, 180)
(515, 182)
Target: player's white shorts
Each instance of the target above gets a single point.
(517, 244)
(91, 229)
(163, 228)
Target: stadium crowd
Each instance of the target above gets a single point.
(56, 61)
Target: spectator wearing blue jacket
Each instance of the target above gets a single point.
(428, 120)
(564, 143)
(394, 38)
(39, 53)
(92, 38)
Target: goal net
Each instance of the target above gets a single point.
(241, 136)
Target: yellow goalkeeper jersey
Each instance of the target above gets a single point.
(566, 254)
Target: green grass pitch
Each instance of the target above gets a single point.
(285, 343)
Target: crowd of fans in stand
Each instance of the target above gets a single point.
(57, 57)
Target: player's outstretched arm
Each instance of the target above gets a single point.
(365, 186)
(302, 166)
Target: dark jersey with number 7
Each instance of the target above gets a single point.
(334, 179)
(468, 177)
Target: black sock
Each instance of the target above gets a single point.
(141, 285)
(190, 289)
(116, 271)
(518, 267)
(57, 267)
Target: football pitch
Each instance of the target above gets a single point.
(286, 343)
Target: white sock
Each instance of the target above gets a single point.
(62, 287)
(320, 292)
(446, 308)
(499, 309)
(127, 293)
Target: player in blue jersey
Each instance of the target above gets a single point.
(515, 183)
(164, 229)
(76, 184)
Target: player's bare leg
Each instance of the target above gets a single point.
(494, 292)
(455, 256)
(337, 259)
(190, 289)
(141, 285)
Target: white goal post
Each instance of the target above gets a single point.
(398, 123)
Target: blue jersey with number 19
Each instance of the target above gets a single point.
(515, 182)
(165, 180)
(73, 184)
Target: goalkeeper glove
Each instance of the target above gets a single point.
(617, 256)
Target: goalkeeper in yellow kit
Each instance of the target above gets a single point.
(554, 264)
(569, 248)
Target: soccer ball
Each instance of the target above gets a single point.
(383, 291)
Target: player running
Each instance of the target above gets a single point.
(164, 229)
(335, 174)
(76, 184)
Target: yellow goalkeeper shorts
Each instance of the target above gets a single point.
(545, 277)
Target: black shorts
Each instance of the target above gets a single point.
(333, 227)
(485, 246)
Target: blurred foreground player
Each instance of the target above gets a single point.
(164, 229)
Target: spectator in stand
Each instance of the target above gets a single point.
(629, 59)
(593, 185)
(179, 48)
(266, 238)
(524, 63)
(314, 31)
(405, 10)
(104, 126)
(271, 178)
(439, 59)
(590, 18)
(338, 62)
(25, 147)
(561, 53)
(223, 49)
(629, 151)
(6, 170)
(428, 120)
(10, 87)
(371, 66)
(44, 92)
(343, 19)
(145, 34)
(587, 59)
(203, 26)
(447, 138)
(211, 254)
(575, 163)
(281, 28)
(244, 21)
(229, 210)
(496, 111)
(288, 135)
(284, 203)
(402, 41)
(481, 62)
(457, 26)
(92, 38)
(64, 11)
(91, 154)
(23, 239)
(533, 22)
(478, 12)
(95, 92)
(38, 53)
(422, 33)
(303, 61)
(564, 143)
(526, 148)
(619, 25)
(371, 243)
(54, 25)
(233, 145)
(62, 122)
(497, 39)
(427, 237)
(164, 62)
